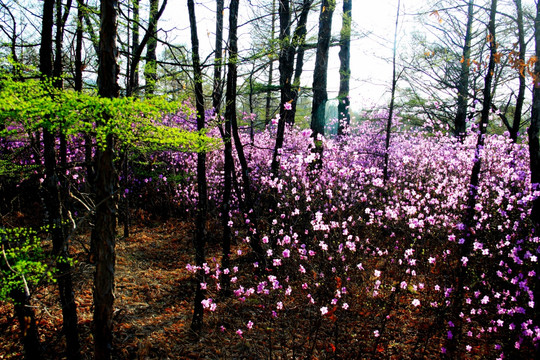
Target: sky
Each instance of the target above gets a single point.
(371, 70)
(371, 55)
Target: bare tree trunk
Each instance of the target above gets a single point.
(217, 91)
(150, 69)
(468, 218)
(392, 98)
(521, 92)
(344, 116)
(320, 95)
(463, 85)
(200, 225)
(104, 231)
(534, 155)
(268, 112)
(286, 59)
(299, 39)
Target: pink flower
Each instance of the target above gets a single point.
(324, 310)
(416, 302)
(239, 332)
(249, 324)
(287, 106)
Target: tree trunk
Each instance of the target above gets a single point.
(468, 218)
(134, 82)
(521, 92)
(200, 225)
(150, 69)
(344, 116)
(286, 59)
(299, 39)
(534, 155)
(320, 95)
(392, 98)
(217, 91)
(104, 231)
(463, 86)
(230, 114)
(268, 112)
(27, 322)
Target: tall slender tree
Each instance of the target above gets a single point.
(217, 91)
(520, 98)
(320, 94)
(104, 231)
(392, 99)
(463, 82)
(150, 68)
(469, 214)
(230, 113)
(200, 225)
(344, 116)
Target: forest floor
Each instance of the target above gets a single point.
(154, 302)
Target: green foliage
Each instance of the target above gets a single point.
(35, 104)
(22, 262)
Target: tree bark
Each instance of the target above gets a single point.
(392, 99)
(200, 225)
(344, 116)
(534, 156)
(150, 69)
(104, 231)
(460, 121)
(286, 58)
(217, 91)
(300, 40)
(468, 218)
(320, 95)
(521, 90)
(268, 111)
(230, 114)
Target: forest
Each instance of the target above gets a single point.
(213, 187)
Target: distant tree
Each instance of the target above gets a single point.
(104, 231)
(344, 115)
(320, 95)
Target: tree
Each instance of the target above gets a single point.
(520, 98)
(217, 91)
(345, 68)
(392, 99)
(463, 82)
(320, 95)
(200, 225)
(534, 152)
(104, 231)
(469, 214)
(150, 69)
(289, 93)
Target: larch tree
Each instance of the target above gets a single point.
(522, 49)
(104, 231)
